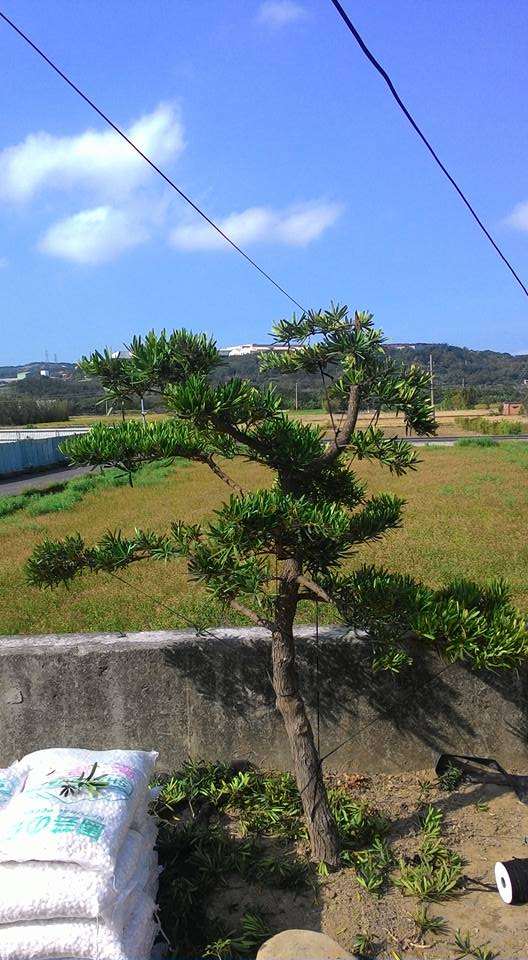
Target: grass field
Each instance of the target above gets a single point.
(466, 514)
(391, 424)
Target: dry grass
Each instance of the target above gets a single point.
(466, 514)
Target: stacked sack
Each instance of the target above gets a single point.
(78, 869)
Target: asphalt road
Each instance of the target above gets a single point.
(449, 441)
(46, 478)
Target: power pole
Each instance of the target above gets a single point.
(432, 379)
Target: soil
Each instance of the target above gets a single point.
(483, 823)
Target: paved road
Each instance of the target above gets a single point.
(46, 478)
(449, 441)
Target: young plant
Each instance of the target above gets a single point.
(436, 871)
(450, 778)
(465, 948)
(244, 942)
(89, 783)
(427, 923)
(363, 945)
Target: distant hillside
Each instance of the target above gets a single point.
(494, 376)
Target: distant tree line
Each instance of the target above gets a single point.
(462, 380)
(23, 411)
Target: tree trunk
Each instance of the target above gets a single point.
(322, 829)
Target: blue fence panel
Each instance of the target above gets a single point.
(20, 455)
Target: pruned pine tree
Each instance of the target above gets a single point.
(265, 550)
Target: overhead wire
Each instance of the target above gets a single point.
(148, 160)
(383, 73)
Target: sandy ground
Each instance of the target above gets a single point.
(494, 830)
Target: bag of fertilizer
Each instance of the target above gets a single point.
(35, 890)
(79, 939)
(76, 806)
(12, 780)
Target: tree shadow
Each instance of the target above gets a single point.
(430, 706)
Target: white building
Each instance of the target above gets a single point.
(242, 349)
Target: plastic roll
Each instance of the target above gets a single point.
(511, 878)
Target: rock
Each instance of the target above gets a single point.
(302, 945)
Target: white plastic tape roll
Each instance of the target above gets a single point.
(504, 884)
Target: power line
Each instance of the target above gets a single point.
(150, 162)
(383, 73)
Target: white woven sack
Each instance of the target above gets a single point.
(35, 890)
(45, 823)
(82, 939)
(12, 780)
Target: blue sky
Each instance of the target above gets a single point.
(268, 115)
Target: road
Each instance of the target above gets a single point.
(12, 485)
(449, 441)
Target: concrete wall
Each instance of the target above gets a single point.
(211, 697)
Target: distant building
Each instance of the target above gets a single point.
(45, 373)
(243, 349)
(512, 409)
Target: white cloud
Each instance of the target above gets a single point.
(518, 218)
(4, 262)
(278, 13)
(93, 236)
(296, 226)
(100, 160)
(119, 205)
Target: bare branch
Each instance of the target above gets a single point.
(251, 615)
(314, 588)
(211, 463)
(343, 435)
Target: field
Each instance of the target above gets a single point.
(466, 514)
(391, 424)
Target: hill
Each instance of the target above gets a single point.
(487, 375)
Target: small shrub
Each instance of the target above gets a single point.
(504, 427)
(476, 442)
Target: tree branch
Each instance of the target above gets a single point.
(251, 615)
(314, 588)
(211, 463)
(343, 435)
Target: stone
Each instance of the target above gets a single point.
(302, 945)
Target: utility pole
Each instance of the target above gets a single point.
(432, 378)
(296, 395)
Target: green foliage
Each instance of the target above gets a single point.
(129, 446)
(317, 511)
(85, 783)
(476, 442)
(16, 411)
(363, 945)
(465, 948)
(450, 778)
(468, 622)
(505, 427)
(243, 942)
(436, 871)
(427, 923)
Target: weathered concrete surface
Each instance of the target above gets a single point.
(211, 696)
(302, 945)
